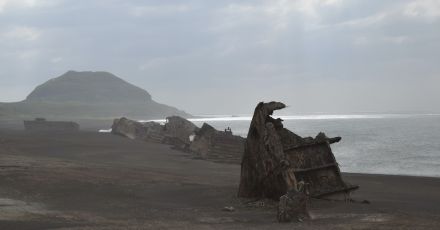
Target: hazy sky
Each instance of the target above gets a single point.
(222, 57)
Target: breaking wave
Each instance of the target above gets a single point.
(208, 118)
(399, 144)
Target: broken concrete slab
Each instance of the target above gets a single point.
(148, 131)
(206, 142)
(129, 128)
(178, 131)
(217, 146)
(179, 127)
(175, 131)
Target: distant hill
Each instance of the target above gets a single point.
(88, 95)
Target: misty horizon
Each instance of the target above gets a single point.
(208, 57)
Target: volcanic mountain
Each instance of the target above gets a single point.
(88, 95)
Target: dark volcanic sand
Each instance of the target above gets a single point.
(100, 181)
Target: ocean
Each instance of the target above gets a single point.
(394, 144)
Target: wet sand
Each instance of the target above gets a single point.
(89, 180)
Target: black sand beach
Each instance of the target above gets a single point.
(89, 180)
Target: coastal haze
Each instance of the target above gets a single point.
(94, 96)
(330, 56)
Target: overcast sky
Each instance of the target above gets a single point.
(222, 57)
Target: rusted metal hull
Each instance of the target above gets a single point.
(276, 160)
(315, 164)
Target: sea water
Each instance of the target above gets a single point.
(398, 144)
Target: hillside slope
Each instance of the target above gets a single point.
(87, 95)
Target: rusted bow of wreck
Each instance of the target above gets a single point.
(275, 160)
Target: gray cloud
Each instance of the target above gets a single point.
(224, 56)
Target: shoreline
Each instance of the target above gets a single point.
(390, 175)
(88, 180)
(14, 127)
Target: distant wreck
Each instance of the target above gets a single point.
(276, 160)
(176, 131)
(42, 125)
(218, 146)
(204, 143)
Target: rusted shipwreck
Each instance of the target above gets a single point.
(275, 160)
(216, 145)
(175, 131)
(43, 125)
(205, 142)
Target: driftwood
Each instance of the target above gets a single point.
(276, 159)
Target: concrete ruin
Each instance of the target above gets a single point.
(217, 146)
(276, 159)
(42, 125)
(149, 131)
(128, 128)
(177, 131)
(205, 143)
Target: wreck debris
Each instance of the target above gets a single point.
(179, 127)
(218, 146)
(128, 128)
(206, 142)
(228, 209)
(155, 132)
(42, 125)
(276, 158)
(293, 207)
(177, 132)
(149, 131)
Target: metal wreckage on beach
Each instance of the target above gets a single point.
(280, 165)
(275, 162)
(276, 159)
(204, 143)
